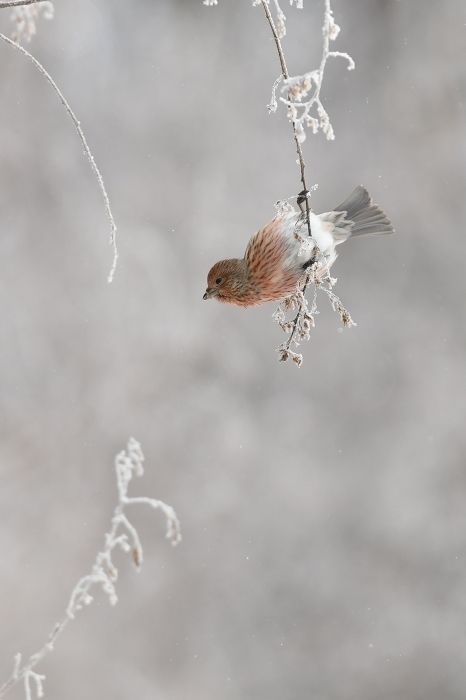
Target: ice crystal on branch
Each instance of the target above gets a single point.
(122, 535)
(272, 106)
(299, 87)
(333, 29)
(281, 19)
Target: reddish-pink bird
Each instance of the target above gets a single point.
(275, 261)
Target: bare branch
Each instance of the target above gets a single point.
(84, 143)
(286, 76)
(17, 3)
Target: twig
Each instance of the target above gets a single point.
(127, 464)
(286, 76)
(301, 85)
(317, 272)
(16, 3)
(86, 148)
(302, 165)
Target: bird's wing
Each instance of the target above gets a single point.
(336, 223)
(267, 256)
(265, 251)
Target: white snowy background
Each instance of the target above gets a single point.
(323, 510)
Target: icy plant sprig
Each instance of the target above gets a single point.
(26, 25)
(299, 327)
(318, 273)
(297, 88)
(25, 18)
(123, 535)
(310, 84)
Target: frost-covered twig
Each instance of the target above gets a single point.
(286, 76)
(299, 327)
(84, 143)
(122, 534)
(16, 3)
(317, 274)
(300, 86)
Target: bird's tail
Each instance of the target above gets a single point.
(368, 218)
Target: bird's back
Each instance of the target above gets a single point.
(272, 255)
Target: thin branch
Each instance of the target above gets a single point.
(317, 272)
(84, 143)
(16, 3)
(302, 305)
(317, 267)
(299, 86)
(281, 55)
(127, 464)
(286, 76)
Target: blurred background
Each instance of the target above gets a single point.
(322, 508)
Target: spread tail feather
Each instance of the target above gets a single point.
(368, 219)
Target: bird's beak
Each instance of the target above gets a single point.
(209, 293)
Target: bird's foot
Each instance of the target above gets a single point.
(302, 197)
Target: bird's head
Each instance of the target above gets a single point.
(228, 281)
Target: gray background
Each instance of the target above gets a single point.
(323, 509)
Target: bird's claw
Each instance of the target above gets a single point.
(302, 196)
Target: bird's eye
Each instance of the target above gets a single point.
(218, 280)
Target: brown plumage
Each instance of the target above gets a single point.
(274, 261)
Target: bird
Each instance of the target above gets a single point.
(275, 259)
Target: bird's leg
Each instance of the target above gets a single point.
(302, 196)
(313, 259)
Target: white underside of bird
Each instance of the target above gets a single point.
(300, 250)
(356, 216)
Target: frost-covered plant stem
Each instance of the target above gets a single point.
(286, 76)
(317, 273)
(298, 87)
(128, 463)
(284, 353)
(298, 329)
(17, 3)
(84, 143)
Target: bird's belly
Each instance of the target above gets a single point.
(298, 253)
(321, 233)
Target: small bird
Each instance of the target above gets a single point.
(275, 259)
